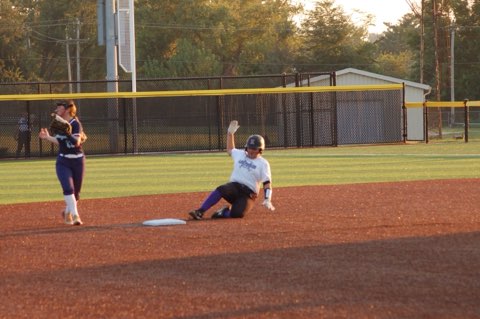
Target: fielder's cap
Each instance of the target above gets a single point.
(65, 103)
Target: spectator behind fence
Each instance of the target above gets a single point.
(24, 134)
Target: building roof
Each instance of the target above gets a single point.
(385, 78)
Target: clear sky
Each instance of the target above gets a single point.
(382, 10)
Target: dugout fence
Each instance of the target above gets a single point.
(450, 120)
(196, 120)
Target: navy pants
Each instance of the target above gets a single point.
(239, 196)
(70, 173)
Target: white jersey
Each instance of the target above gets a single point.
(249, 172)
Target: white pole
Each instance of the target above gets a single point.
(111, 46)
(132, 46)
(134, 76)
(112, 73)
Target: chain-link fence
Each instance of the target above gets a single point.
(445, 123)
(190, 122)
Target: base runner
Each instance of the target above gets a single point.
(250, 170)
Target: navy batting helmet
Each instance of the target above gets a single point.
(255, 141)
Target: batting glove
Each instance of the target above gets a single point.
(233, 127)
(268, 204)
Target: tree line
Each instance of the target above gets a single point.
(43, 40)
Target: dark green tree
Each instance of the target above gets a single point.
(14, 45)
(332, 41)
(34, 34)
(244, 37)
(54, 28)
(255, 36)
(396, 56)
(186, 60)
(467, 48)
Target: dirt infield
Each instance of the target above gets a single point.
(381, 250)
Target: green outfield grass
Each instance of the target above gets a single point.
(117, 176)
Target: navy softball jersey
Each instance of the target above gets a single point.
(70, 165)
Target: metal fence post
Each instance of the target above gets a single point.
(425, 112)
(467, 119)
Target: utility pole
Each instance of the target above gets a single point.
(77, 24)
(67, 42)
(452, 73)
(69, 63)
(435, 15)
(422, 41)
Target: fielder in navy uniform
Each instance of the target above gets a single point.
(70, 164)
(250, 170)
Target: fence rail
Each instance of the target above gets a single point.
(195, 120)
(449, 119)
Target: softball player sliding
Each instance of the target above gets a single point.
(250, 170)
(70, 164)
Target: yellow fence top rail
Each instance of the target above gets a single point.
(217, 92)
(442, 104)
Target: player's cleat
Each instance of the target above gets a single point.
(220, 213)
(67, 217)
(196, 214)
(77, 221)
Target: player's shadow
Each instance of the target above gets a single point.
(408, 276)
(64, 229)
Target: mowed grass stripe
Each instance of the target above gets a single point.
(118, 176)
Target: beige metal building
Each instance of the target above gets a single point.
(414, 92)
